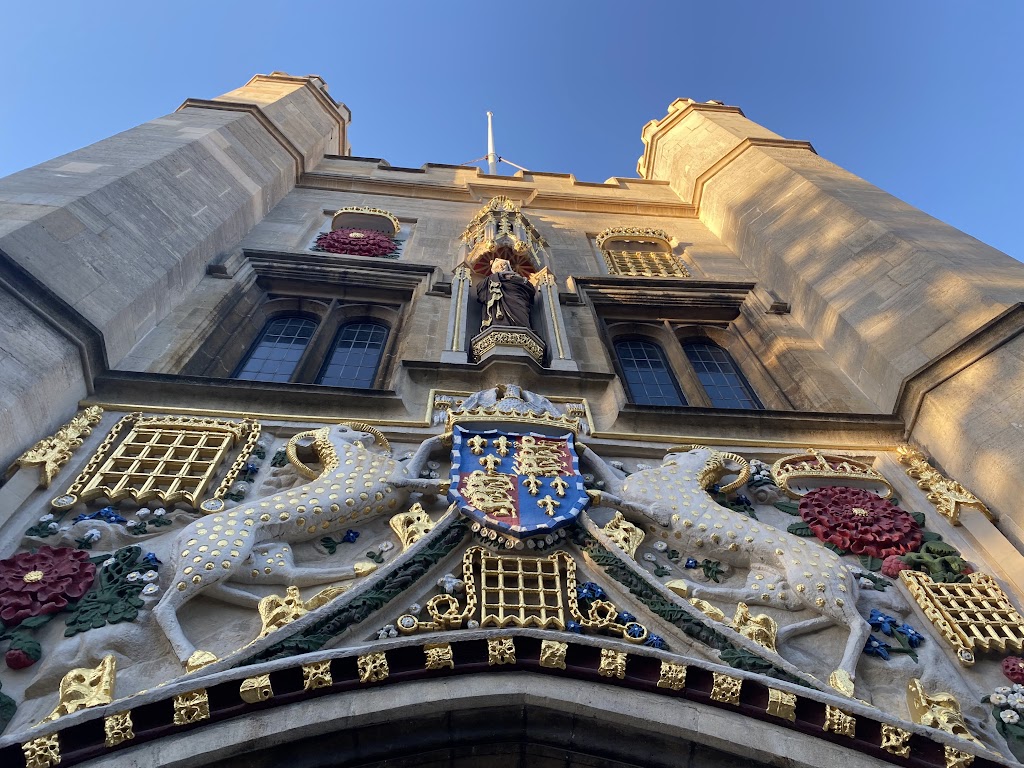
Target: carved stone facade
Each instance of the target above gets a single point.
(270, 467)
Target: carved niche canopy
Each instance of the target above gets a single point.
(639, 252)
(500, 229)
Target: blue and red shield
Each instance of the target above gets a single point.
(519, 484)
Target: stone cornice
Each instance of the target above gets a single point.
(681, 298)
(255, 111)
(330, 268)
(439, 183)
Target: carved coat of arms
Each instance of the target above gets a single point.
(520, 484)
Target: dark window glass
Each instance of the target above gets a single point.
(724, 384)
(277, 352)
(648, 378)
(355, 356)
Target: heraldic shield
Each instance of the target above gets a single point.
(520, 484)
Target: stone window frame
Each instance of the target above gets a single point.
(670, 337)
(330, 316)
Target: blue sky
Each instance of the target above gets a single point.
(921, 98)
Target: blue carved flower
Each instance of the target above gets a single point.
(573, 626)
(151, 560)
(741, 499)
(107, 514)
(691, 562)
(881, 621)
(625, 618)
(635, 630)
(588, 590)
(656, 641)
(914, 638)
(350, 536)
(876, 647)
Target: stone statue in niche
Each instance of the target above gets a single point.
(506, 297)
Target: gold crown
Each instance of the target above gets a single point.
(493, 413)
(817, 465)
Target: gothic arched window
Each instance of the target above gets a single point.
(278, 349)
(355, 355)
(722, 381)
(648, 378)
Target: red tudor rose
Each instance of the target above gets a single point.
(356, 242)
(37, 583)
(860, 522)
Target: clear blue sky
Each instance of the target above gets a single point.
(921, 98)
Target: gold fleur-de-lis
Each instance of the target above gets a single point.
(532, 484)
(490, 462)
(548, 504)
(477, 444)
(559, 485)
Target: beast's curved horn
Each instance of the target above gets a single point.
(378, 436)
(319, 439)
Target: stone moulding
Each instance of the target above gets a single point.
(538, 651)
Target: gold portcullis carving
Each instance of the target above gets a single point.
(411, 526)
(672, 676)
(86, 687)
(939, 710)
(191, 707)
(838, 721)
(317, 674)
(166, 458)
(895, 740)
(726, 688)
(501, 650)
(43, 752)
(373, 667)
(253, 690)
(781, 704)
(613, 663)
(438, 656)
(118, 728)
(51, 453)
(969, 615)
(552, 654)
(947, 495)
(624, 534)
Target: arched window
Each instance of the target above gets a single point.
(276, 353)
(721, 379)
(355, 355)
(649, 380)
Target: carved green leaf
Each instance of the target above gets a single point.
(7, 709)
(834, 548)
(939, 547)
(918, 517)
(800, 528)
(113, 598)
(789, 507)
(871, 563)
